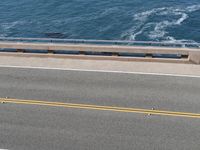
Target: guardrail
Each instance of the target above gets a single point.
(104, 42)
(149, 52)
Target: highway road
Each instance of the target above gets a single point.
(97, 110)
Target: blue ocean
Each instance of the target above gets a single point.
(140, 20)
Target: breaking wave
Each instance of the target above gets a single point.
(153, 24)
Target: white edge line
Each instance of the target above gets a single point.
(102, 71)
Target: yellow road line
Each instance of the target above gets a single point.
(103, 108)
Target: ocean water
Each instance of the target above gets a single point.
(141, 20)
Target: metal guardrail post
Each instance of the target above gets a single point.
(20, 50)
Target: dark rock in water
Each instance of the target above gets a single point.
(54, 35)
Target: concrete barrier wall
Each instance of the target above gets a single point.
(192, 53)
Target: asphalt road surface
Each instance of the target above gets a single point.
(38, 127)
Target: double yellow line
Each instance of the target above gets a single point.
(102, 108)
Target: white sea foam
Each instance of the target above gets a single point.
(160, 27)
(171, 39)
(7, 26)
(183, 17)
(159, 30)
(193, 8)
(142, 30)
(144, 15)
(166, 17)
